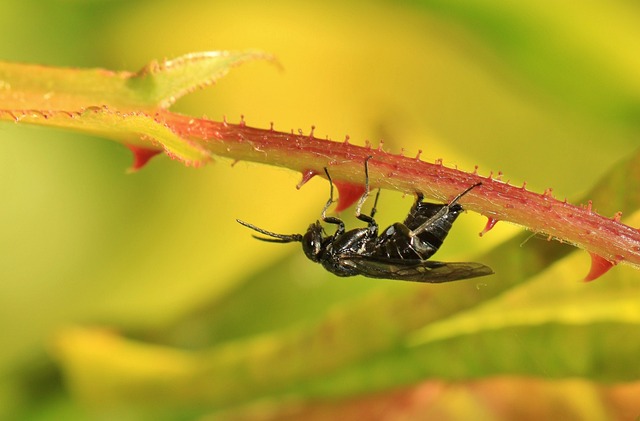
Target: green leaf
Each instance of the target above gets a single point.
(157, 85)
(161, 84)
(121, 106)
(137, 128)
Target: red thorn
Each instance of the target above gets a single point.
(547, 192)
(438, 162)
(141, 156)
(401, 151)
(311, 132)
(367, 144)
(418, 154)
(346, 140)
(499, 176)
(349, 193)
(271, 126)
(599, 266)
(306, 176)
(617, 216)
(242, 122)
(589, 206)
(491, 222)
(380, 145)
(224, 121)
(524, 186)
(475, 170)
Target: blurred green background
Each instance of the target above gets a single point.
(547, 93)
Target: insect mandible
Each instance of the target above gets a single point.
(400, 252)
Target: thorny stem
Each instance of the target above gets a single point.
(499, 201)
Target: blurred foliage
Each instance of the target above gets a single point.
(139, 297)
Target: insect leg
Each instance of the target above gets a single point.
(426, 224)
(442, 212)
(367, 218)
(375, 204)
(331, 219)
(455, 199)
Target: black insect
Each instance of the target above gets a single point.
(400, 252)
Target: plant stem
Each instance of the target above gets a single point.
(499, 201)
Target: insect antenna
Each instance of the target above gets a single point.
(277, 238)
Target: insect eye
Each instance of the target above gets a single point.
(312, 242)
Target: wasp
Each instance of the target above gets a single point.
(400, 252)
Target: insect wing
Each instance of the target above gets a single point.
(415, 270)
